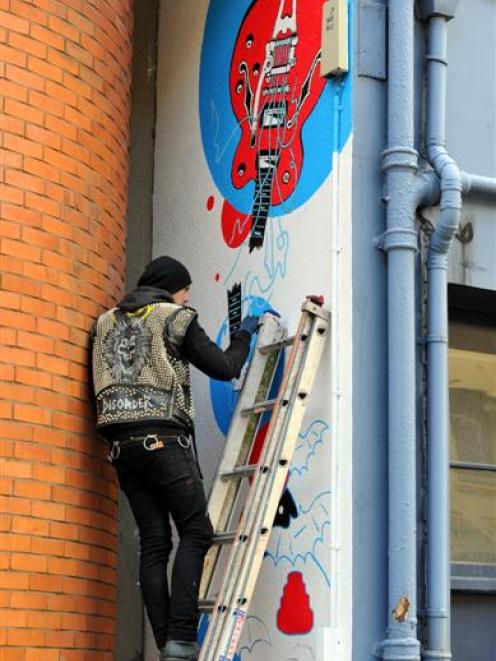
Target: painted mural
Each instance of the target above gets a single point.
(271, 131)
(268, 132)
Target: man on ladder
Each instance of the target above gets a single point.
(141, 352)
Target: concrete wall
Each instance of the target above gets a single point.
(205, 199)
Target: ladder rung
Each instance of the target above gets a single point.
(240, 472)
(275, 346)
(224, 537)
(259, 407)
(206, 605)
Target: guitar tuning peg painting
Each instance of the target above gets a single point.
(265, 111)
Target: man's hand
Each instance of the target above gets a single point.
(250, 324)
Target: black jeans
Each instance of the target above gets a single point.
(160, 484)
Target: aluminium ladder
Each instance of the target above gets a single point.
(248, 539)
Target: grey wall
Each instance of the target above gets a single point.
(129, 634)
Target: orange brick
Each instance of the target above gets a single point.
(51, 400)
(41, 168)
(15, 469)
(63, 28)
(28, 562)
(11, 22)
(40, 238)
(37, 307)
(43, 136)
(62, 639)
(11, 194)
(9, 300)
(48, 547)
(42, 620)
(12, 124)
(62, 61)
(25, 181)
(57, 261)
(7, 448)
(13, 91)
(45, 69)
(29, 526)
(43, 655)
(21, 76)
(6, 485)
(25, 637)
(12, 542)
(8, 336)
(45, 583)
(13, 618)
(64, 531)
(60, 161)
(32, 451)
(53, 329)
(61, 602)
(24, 111)
(22, 599)
(42, 204)
(26, 11)
(53, 6)
(32, 489)
(18, 320)
(15, 430)
(31, 413)
(27, 45)
(35, 342)
(10, 229)
(50, 436)
(17, 392)
(46, 103)
(5, 410)
(32, 377)
(48, 473)
(61, 93)
(10, 505)
(22, 357)
(12, 56)
(21, 285)
(21, 214)
(48, 37)
(52, 511)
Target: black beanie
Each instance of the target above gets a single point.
(165, 273)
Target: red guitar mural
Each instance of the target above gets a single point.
(275, 84)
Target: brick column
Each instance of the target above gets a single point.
(65, 68)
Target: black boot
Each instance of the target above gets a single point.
(179, 650)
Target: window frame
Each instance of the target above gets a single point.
(476, 306)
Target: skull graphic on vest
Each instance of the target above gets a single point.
(127, 348)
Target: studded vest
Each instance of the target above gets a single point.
(138, 372)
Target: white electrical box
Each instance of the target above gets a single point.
(334, 60)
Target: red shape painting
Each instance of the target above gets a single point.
(295, 616)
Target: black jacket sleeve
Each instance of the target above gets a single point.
(204, 354)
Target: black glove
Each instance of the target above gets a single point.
(250, 324)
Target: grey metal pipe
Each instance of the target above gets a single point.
(400, 243)
(438, 563)
(483, 188)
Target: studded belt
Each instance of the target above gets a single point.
(150, 442)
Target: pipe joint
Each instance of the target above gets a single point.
(438, 260)
(398, 239)
(426, 9)
(435, 655)
(400, 157)
(400, 649)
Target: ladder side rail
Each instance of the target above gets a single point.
(253, 503)
(257, 544)
(223, 494)
(247, 581)
(240, 423)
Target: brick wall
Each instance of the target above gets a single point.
(64, 100)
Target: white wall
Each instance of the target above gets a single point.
(305, 251)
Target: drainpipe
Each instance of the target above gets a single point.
(400, 243)
(438, 12)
